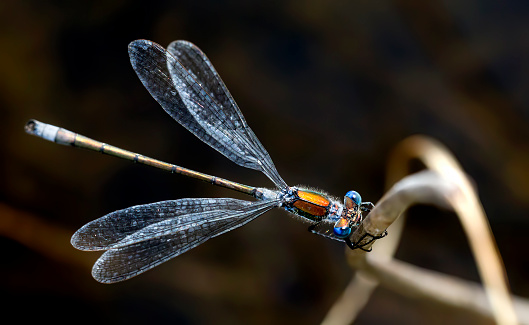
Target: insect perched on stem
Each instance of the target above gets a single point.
(136, 239)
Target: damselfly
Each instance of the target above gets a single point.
(136, 239)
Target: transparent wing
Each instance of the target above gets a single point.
(198, 99)
(157, 242)
(103, 233)
(325, 228)
(224, 115)
(199, 66)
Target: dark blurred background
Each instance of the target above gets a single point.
(330, 87)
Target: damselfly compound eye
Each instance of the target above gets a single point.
(341, 228)
(352, 199)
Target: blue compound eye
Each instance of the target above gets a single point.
(341, 228)
(351, 199)
(342, 232)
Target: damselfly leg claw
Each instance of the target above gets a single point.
(359, 245)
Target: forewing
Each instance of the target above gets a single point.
(154, 74)
(162, 241)
(207, 102)
(198, 65)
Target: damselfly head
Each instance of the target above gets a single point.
(351, 216)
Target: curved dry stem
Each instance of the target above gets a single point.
(445, 185)
(422, 284)
(425, 188)
(474, 221)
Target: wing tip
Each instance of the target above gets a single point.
(83, 240)
(102, 273)
(78, 243)
(100, 276)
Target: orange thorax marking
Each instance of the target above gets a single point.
(312, 203)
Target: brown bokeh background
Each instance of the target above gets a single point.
(330, 87)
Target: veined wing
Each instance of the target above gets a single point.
(199, 66)
(102, 233)
(158, 242)
(210, 112)
(227, 117)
